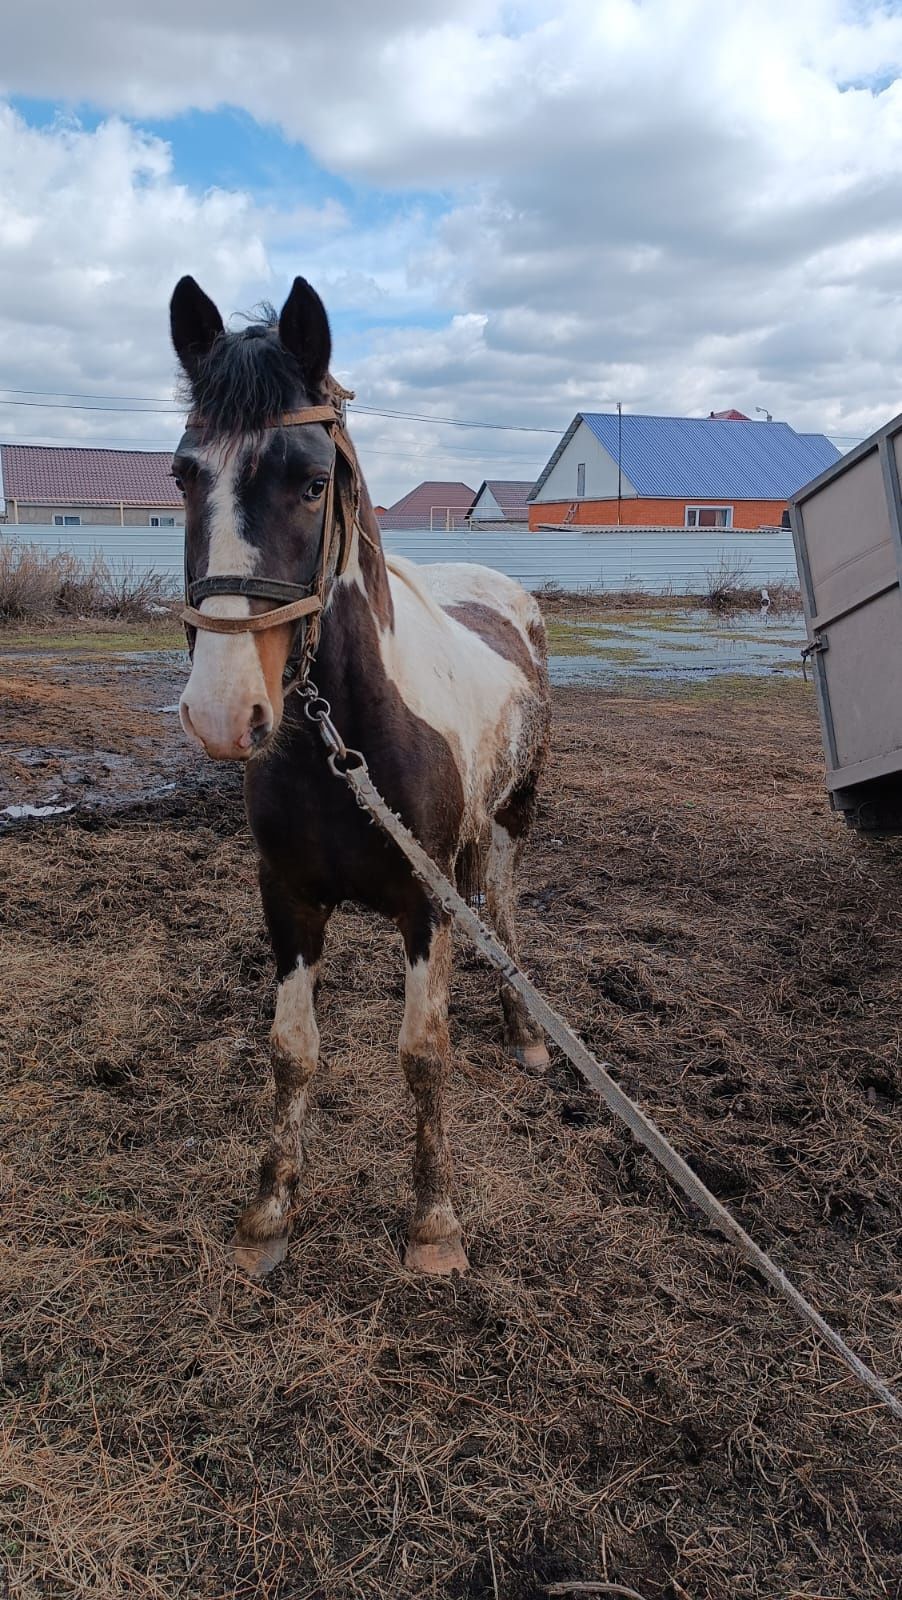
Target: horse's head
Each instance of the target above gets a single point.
(256, 494)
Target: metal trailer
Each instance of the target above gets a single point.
(847, 530)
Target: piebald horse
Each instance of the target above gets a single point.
(437, 674)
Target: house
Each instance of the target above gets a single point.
(65, 486)
(432, 504)
(675, 472)
(501, 500)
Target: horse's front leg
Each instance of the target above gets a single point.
(297, 932)
(434, 1240)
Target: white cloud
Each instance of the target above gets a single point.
(683, 204)
(93, 232)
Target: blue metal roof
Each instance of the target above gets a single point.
(702, 459)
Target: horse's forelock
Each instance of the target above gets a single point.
(245, 382)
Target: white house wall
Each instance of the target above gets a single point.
(487, 507)
(601, 472)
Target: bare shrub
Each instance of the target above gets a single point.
(36, 584)
(126, 592)
(725, 589)
(32, 580)
(549, 589)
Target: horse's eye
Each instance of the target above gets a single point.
(315, 489)
(179, 483)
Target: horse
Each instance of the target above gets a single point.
(436, 673)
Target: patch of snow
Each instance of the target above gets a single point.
(34, 811)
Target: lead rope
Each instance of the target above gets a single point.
(351, 766)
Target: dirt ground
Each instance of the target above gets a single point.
(609, 1397)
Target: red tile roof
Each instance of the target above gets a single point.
(426, 502)
(728, 416)
(77, 476)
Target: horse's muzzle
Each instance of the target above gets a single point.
(233, 733)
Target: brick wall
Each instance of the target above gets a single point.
(642, 513)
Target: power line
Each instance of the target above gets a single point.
(438, 453)
(76, 403)
(71, 405)
(450, 422)
(64, 394)
(148, 406)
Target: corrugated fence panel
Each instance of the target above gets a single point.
(652, 560)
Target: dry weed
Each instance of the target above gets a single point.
(36, 584)
(610, 1396)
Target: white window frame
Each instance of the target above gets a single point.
(693, 522)
(158, 520)
(580, 480)
(62, 519)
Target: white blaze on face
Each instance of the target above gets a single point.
(227, 685)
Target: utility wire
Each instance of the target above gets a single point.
(148, 406)
(77, 403)
(365, 450)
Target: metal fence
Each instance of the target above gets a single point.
(655, 560)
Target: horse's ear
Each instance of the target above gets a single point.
(304, 330)
(194, 322)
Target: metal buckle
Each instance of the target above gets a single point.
(318, 711)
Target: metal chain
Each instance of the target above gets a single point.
(351, 766)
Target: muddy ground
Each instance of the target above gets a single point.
(610, 1396)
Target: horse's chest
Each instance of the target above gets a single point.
(309, 828)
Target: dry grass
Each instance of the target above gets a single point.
(609, 1395)
(36, 584)
(727, 589)
(719, 597)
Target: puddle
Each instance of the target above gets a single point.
(673, 645)
(54, 756)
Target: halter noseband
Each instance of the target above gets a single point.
(299, 603)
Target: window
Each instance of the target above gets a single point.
(709, 516)
(64, 521)
(162, 522)
(581, 479)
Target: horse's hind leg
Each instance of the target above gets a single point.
(297, 933)
(522, 1036)
(434, 1241)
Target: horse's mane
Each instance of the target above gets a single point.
(247, 379)
(410, 573)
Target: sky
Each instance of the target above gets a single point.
(513, 212)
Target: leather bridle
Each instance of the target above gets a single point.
(299, 603)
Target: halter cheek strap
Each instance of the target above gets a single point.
(301, 604)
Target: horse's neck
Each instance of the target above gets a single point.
(348, 664)
(371, 562)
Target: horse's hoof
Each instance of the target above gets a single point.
(437, 1260)
(257, 1257)
(533, 1056)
